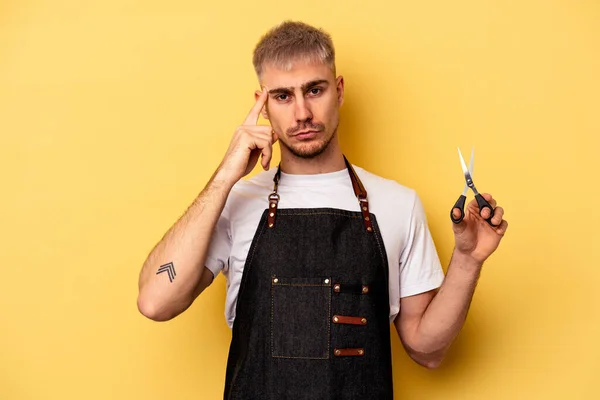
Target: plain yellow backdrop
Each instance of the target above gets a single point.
(114, 114)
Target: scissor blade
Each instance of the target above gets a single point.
(462, 163)
(464, 168)
(471, 162)
(465, 190)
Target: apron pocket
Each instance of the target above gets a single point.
(300, 317)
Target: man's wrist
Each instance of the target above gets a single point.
(223, 179)
(465, 262)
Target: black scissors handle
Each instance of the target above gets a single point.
(460, 205)
(484, 204)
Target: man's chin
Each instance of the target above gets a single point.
(308, 150)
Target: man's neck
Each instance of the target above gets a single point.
(331, 160)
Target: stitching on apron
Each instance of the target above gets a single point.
(319, 213)
(379, 246)
(305, 358)
(328, 318)
(298, 284)
(328, 323)
(272, 307)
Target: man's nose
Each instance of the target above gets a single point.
(303, 112)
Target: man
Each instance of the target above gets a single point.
(320, 256)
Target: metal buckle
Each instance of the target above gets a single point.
(274, 196)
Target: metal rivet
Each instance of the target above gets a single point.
(360, 352)
(365, 289)
(326, 280)
(275, 280)
(270, 225)
(272, 205)
(369, 229)
(337, 352)
(364, 208)
(272, 214)
(366, 218)
(335, 319)
(337, 287)
(364, 320)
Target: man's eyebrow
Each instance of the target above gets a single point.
(313, 83)
(304, 86)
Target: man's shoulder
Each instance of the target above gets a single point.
(378, 185)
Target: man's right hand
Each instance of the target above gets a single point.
(249, 142)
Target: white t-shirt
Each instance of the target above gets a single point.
(414, 265)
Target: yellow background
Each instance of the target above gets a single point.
(114, 114)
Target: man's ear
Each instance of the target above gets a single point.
(340, 90)
(263, 112)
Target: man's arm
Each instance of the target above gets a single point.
(428, 323)
(174, 275)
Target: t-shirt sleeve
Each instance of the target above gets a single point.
(420, 267)
(217, 257)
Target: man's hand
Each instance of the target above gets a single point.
(474, 237)
(250, 141)
(429, 322)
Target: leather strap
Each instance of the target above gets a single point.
(361, 195)
(346, 319)
(359, 191)
(274, 199)
(349, 352)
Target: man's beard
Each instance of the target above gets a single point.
(311, 151)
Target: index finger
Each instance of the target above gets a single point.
(252, 117)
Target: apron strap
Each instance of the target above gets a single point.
(359, 191)
(361, 195)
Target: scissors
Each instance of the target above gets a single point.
(460, 203)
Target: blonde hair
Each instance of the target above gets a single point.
(293, 41)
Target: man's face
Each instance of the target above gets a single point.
(303, 106)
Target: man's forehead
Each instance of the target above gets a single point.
(295, 75)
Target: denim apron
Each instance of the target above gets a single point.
(312, 314)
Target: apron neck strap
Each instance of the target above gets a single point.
(359, 191)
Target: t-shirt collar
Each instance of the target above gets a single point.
(323, 179)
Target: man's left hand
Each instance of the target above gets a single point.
(474, 237)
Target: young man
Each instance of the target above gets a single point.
(320, 256)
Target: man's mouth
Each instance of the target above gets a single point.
(302, 135)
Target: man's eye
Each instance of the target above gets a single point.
(315, 91)
(282, 97)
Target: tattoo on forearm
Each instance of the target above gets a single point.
(169, 269)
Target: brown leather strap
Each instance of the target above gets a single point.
(361, 195)
(274, 199)
(357, 186)
(349, 352)
(345, 319)
(359, 189)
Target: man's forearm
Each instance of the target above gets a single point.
(174, 268)
(446, 314)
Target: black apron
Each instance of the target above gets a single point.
(312, 313)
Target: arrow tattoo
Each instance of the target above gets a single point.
(169, 269)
